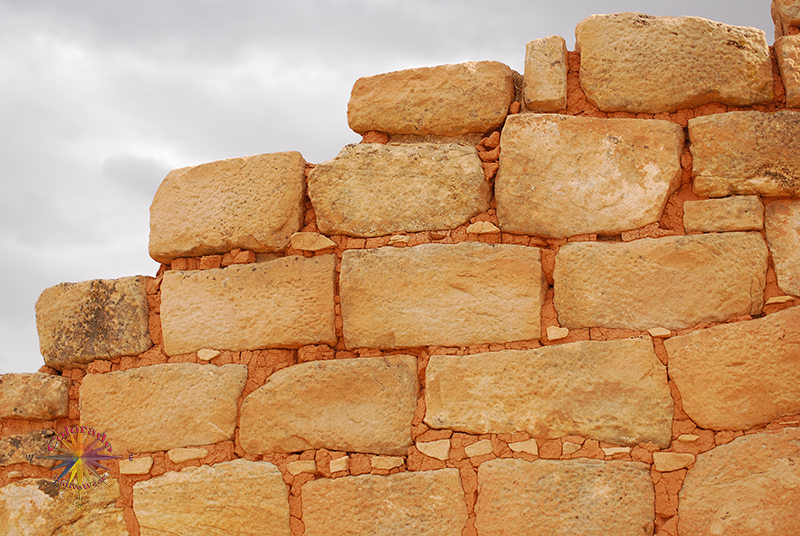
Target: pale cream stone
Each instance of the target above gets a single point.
(544, 85)
(302, 466)
(340, 464)
(136, 466)
(399, 239)
(611, 451)
(786, 16)
(787, 52)
(181, 455)
(779, 299)
(102, 521)
(569, 448)
(480, 448)
(562, 176)
(34, 396)
(386, 462)
(15, 474)
(435, 449)
(16, 448)
(737, 213)
(783, 238)
(207, 355)
(688, 438)
(528, 446)
(659, 332)
(555, 333)
(311, 241)
(671, 461)
(482, 227)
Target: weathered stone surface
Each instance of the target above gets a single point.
(479, 449)
(352, 405)
(737, 213)
(446, 100)
(672, 282)
(671, 461)
(301, 466)
(786, 16)
(98, 319)
(181, 455)
(787, 51)
(13, 448)
(372, 190)
(161, 407)
(35, 396)
(137, 466)
(528, 446)
(208, 499)
(735, 376)
(555, 333)
(783, 238)
(252, 203)
(562, 176)
(613, 391)
(639, 63)
(545, 83)
(386, 462)
(748, 486)
(746, 153)
(451, 295)
(420, 503)
(102, 521)
(435, 449)
(587, 497)
(340, 464)
(284, 303)
(311, 241)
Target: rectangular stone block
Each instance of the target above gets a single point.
(545, 81)
(34, 396)
(17, 447)
(672, 282)
(613, 391)
(786, 16)
(736, 213)
(783, 237)
(285, 303)
(562, 176)
(787, 52)
(451, 295)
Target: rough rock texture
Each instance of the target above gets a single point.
(420, 503)
(252, 203)
(783, 238)
(786, 16)
(613, 391)
(98, 319)
(451, 295)
(545, 84)
(562, 176)
(587, 497)
(14, 448)
(283, 303)
(447, 100)
(737, 213)
(353, 405)
(181, 455)
(136, 466)
(241, 498)
(735, 376)
(748, 486)
(639, 63)
(371, 189)
(102, 521)
(311, 241)
(746, 153)
(163, 406)
(671, 461)
(787, 51)
(671, 282)
(35, 396)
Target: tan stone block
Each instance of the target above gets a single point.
(671, 461)
(570, 448)
(206, 499)
(783, 239)
(311, 242)
(786, 16)
(748, 486)
(436, 449)
(555, 333)
(639, 63)
(137, 466)
(483, 227)
(448, 295)
(301, 466)
(340, 464)
(98, 319)
(102, 521)
(545, 83)
(562, 176)
(613, 391)
(161, 407)
(421, 503)
(447, 100)
(587, 497)
(181, 455)
(386, 462)
(787, 52)
(480, 448)
(14, 448)
(746, 153)
(34, 396)
(633, 285)
(611, 451)
(353, 405)
(778, 299)
(375, 190)
(528, 446)
(660, 333)
(252, 203)
(207, 354)
(688, 438)
(737, 213)
(284, 303)
(735, 376)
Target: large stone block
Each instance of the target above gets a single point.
(352, 405)
(587, 497)
(452, 295)
(736, 376)
(613, 391)
(786, 16)
(545, 83)
(420, 503)
(748, 486)
(672, 282)
(736, 213)
(98, 319)
(15, 448)
(161, 407)
(240, 498)
(34, 396)
(787, 52)
(447, 100)
(746, 153)
(562, 176)
(639, 63)
(252, 203)
(284, 303)
(371, 189)
(783, 237)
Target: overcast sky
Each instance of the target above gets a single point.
(100, 99)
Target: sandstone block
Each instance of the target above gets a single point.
(528, 446)
(659, 333)
(284, 303)
(102, 521)
(340, 464)
(545, 82)
(301, 466)
(479, 449)
(613, 391)
(447, 100)
(252, 203)
(34, 396)
(746, 153)
(735, 376)
(783, 238)
(386, 462)
(451, 295)
(737, 213)
(639, 63)
(161, 407)
(787, 51)
(435, 449)
(98, 319)
(14, 448)
(786, 16)
(587, 497)
(206, 499)
(137, 466)
(181, 455)
(671, 461)
(672, 282)
(352, 405)
(562, 176)
(555, 333)
(311, 241)
(421, 503)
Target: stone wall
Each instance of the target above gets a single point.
(558, 302)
